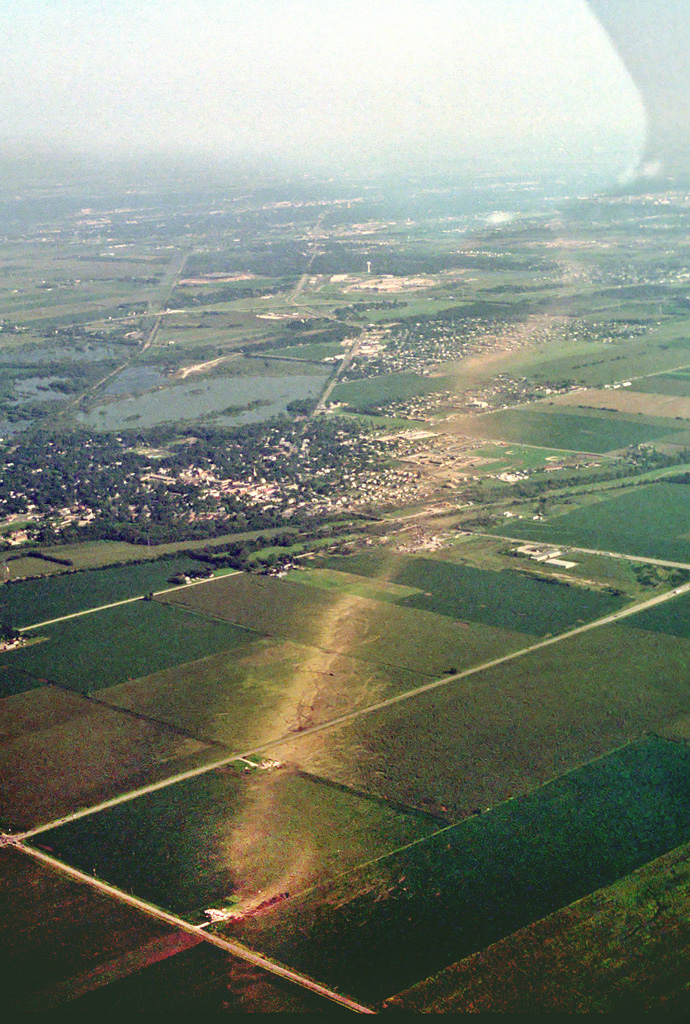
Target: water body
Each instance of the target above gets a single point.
(211, 398)
(133, 379)
(38, 389)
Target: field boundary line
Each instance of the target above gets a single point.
(349, 716)
(228, 945)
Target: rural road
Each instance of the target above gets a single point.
(126, 600)
(228, 945)
(586, 551)
(234, 948)
(350, 716)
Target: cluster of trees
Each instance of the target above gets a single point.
(108, 476)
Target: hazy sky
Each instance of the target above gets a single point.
(338, 82)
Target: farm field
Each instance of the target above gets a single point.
(258, 691)
(580, 959)
(496, 734)
(506, 599)
(107, 647)
(60, 752)
(650, 520)
(373, 631)
(453, 893)
(249, 835)
(677, 384)
(98, 939)
(629, 401)
(202, 979)
(39, 600)
(594, 432)
(361, 394)
(594, 365)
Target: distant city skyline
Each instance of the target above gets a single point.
(336, 84)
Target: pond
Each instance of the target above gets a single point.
(229, 400)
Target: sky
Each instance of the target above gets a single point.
(343, 84)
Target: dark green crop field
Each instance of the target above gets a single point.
(373, 631)
(651, 520)
(107, 647)
(229, 835)
(387, 925)
(38, 600)
(506, 600)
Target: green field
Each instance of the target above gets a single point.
(505, 600)
(246, 836)
(60, 752)
(201, 980)
(580, 960)
(362, 394)
(502, 731)
(38, 600)
(677, 383)
(107, 647)
(390, 924)
(597, 432)
(258, 691)
(373, 631)
(651, 520)
(57, 935)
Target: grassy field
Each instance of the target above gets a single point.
(38, 600)
(677, 383)
(58, 936)
(361, 394)
(60, 752)
(580, 959)
(247, 836)
(258, 691)
(373, 631)
(108, 647)
(594, 365)
(390, 924)
(505, 600)
(650, 520)
(596, 432)
(506, 730)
